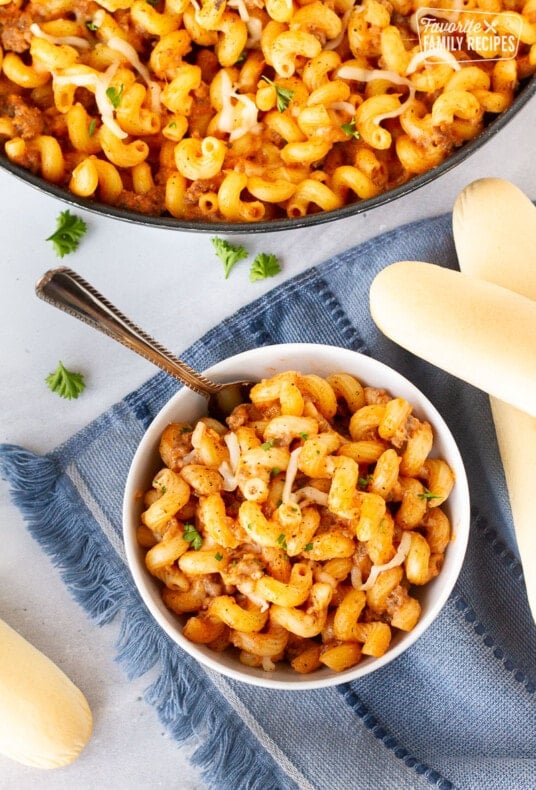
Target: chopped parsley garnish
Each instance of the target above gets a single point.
(304, 436)
(364, 481)
(66, 383)
(192, 536)
(92, 127)
(218, 556)
(283, 95)
(265, 265)
(186, 429)
(308, 547)
(350, 130)
(268, 445)
(275, 471)
(114, 95)
(228, 253)
(428, 495)
(68, 233)
(92, 26)
(282, 541)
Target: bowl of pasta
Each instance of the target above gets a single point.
(250, 115)
(312, 538)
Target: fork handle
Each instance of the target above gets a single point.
(65, 289)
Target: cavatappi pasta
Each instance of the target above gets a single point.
(299, 531)
(248, 110)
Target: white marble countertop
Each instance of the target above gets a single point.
(138, 268)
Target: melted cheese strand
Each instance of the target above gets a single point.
(128, 51)
(240, 6)
(360, 74)
(228, 469)
(398, 559)
(71, 41)
(444, 55)
(368, 75)
(334, 43)
(309, 494)
(226, 121)
(292, 471)
(100, 83)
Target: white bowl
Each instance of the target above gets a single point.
(263, 363)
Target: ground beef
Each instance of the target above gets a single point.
(242, 414)
(373, 395)
(28, 121)
(151, 203)
(200, 187)
(14, 26)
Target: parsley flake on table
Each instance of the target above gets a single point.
(66, 383)
(68, 233)
(192, 536)
(264, 265)
(229, 254)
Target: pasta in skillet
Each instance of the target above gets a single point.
(247, 110)
(300, 531)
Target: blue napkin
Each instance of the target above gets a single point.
(455, 710)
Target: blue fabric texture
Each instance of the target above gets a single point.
(456, 710)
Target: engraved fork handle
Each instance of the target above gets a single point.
(66, 290)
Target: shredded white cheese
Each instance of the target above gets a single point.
(128, 51)
(231, 441)
(254, 26)
(247, 589)
(100, 83)
(235, 122)
(334, 43)
(309, 494)
(398, 559)
(442, 54)
(290, 476)
(393, 113)
(367, 75)
(228, 469)
(229, 479)
(360, 74)
(327, 578)
(240, 6)
(71, 41)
